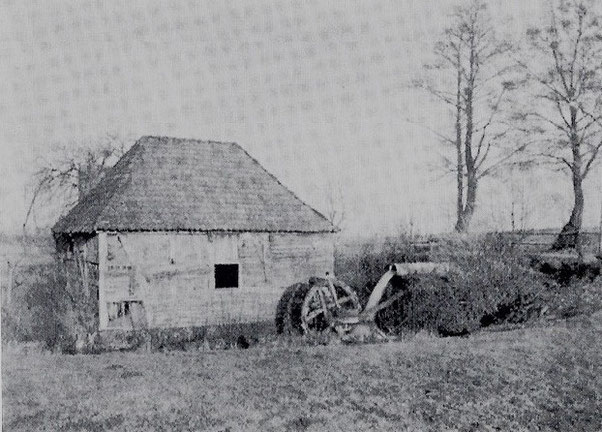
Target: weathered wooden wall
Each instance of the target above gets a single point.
(79, 257)
(172, 275)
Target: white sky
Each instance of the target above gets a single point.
(317, 91)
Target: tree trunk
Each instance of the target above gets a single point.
(570, 235)
(459, 161)
(471, 200)
(460, 192)
(469, 207)
(469, 162)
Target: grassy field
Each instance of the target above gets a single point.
(539, 378)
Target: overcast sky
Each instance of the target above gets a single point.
(317, 91)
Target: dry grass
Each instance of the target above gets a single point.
(541, 378)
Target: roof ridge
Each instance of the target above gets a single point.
(334, 229)
(198, 140)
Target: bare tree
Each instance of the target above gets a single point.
(66, 178)
(563, 113)
(73, 171)
(335, 205)
(477, 95)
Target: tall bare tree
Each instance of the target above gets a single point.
(71, 171)
(471, 76)
(563, 114)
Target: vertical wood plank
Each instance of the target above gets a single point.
(103, 318)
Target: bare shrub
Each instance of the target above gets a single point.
(194, 338)
(489, 283)
(361, 264)
(567, 270)
(582, 296)
(49, 305)
(494, 278)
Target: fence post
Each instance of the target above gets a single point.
(600, 231)
(10, 282)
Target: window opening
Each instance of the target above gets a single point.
(226, 275)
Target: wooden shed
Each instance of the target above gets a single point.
(183, 232)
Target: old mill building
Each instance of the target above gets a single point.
(183, 232)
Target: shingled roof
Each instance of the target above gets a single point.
(172, 184)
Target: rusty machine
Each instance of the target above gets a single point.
(328, 304)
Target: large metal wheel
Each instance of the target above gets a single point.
(324, 302)
(292, 296)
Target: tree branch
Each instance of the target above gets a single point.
(592, 158)
(434, 132)
(501, 161)
(494, 110)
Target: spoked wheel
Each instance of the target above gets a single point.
(321, 305)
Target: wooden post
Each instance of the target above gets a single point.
(10, 281)
(103, 318)
(600, 233)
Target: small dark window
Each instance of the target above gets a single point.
(226, 276)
